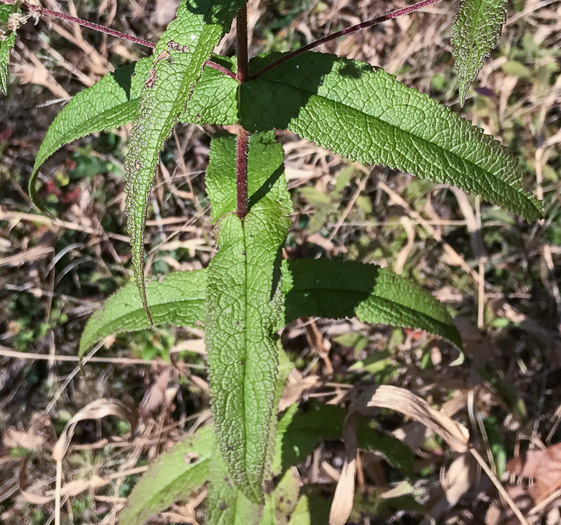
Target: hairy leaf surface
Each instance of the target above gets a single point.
(227, 504)
(114, 101)
(178, 64)
(244, 305)
(6, 46)
(336, 288)
(475, 34)
(366, 115)
(173, 475)
(180, 298)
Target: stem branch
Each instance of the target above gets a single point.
(348, 30)
(103, 29)
(81, 22)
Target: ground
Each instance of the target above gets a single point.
(498, 275)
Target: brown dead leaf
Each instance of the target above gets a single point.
(296, 385)
(543, 466)
(97, 409)
(345, 491)
(34, 438)
(165, 11)
(162, 392)
(403, 401)
(455, 482)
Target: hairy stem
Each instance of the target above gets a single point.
(348, 30)
(103, 29)
(81, 22)
(242, 151)
(242, 147)
(242, 45)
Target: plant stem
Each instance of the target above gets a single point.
(348, 30)
(242, 45)
(242, 145)
(83, 23)
(103, 29)
(242, 150)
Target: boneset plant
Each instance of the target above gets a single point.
(248, 292)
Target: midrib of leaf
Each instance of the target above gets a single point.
(336, 112)
(178, 64)
(244, 308)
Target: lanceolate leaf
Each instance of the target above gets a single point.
(178, 64)
(114, 101)
(336, 288)
(179, 298)
(365, 114)
(227, 504)
(244, 305)
(174, 475)
(475, 33)
(6, 46)
(323, 288)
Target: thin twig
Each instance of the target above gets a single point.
(14, 354)
(510, 502)
(348, 30)
(103, 29)
(83, 23)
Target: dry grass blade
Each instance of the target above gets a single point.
(97, 409)
(403, 401)
(345, 491)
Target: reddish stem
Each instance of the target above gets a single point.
(242, 145)
(352, 29)
(103, 29)
(242, 151)
(242, 45)
(81, 22)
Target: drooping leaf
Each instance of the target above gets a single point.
(179, 299)
(336, 288)
(366, 115)
(178, 64)
(6, 46)
(475, 34)
(114, 101)
(244, 305)
(174, 475)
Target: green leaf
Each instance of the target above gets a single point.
(179, 298)
(366, 115)
(178, 64)
(173, 476)
(282, 501)
(6, 46)
(300, 432)
(114, 101)
(227, 504)
(475, 34)
(244, 305)
(336, 288)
